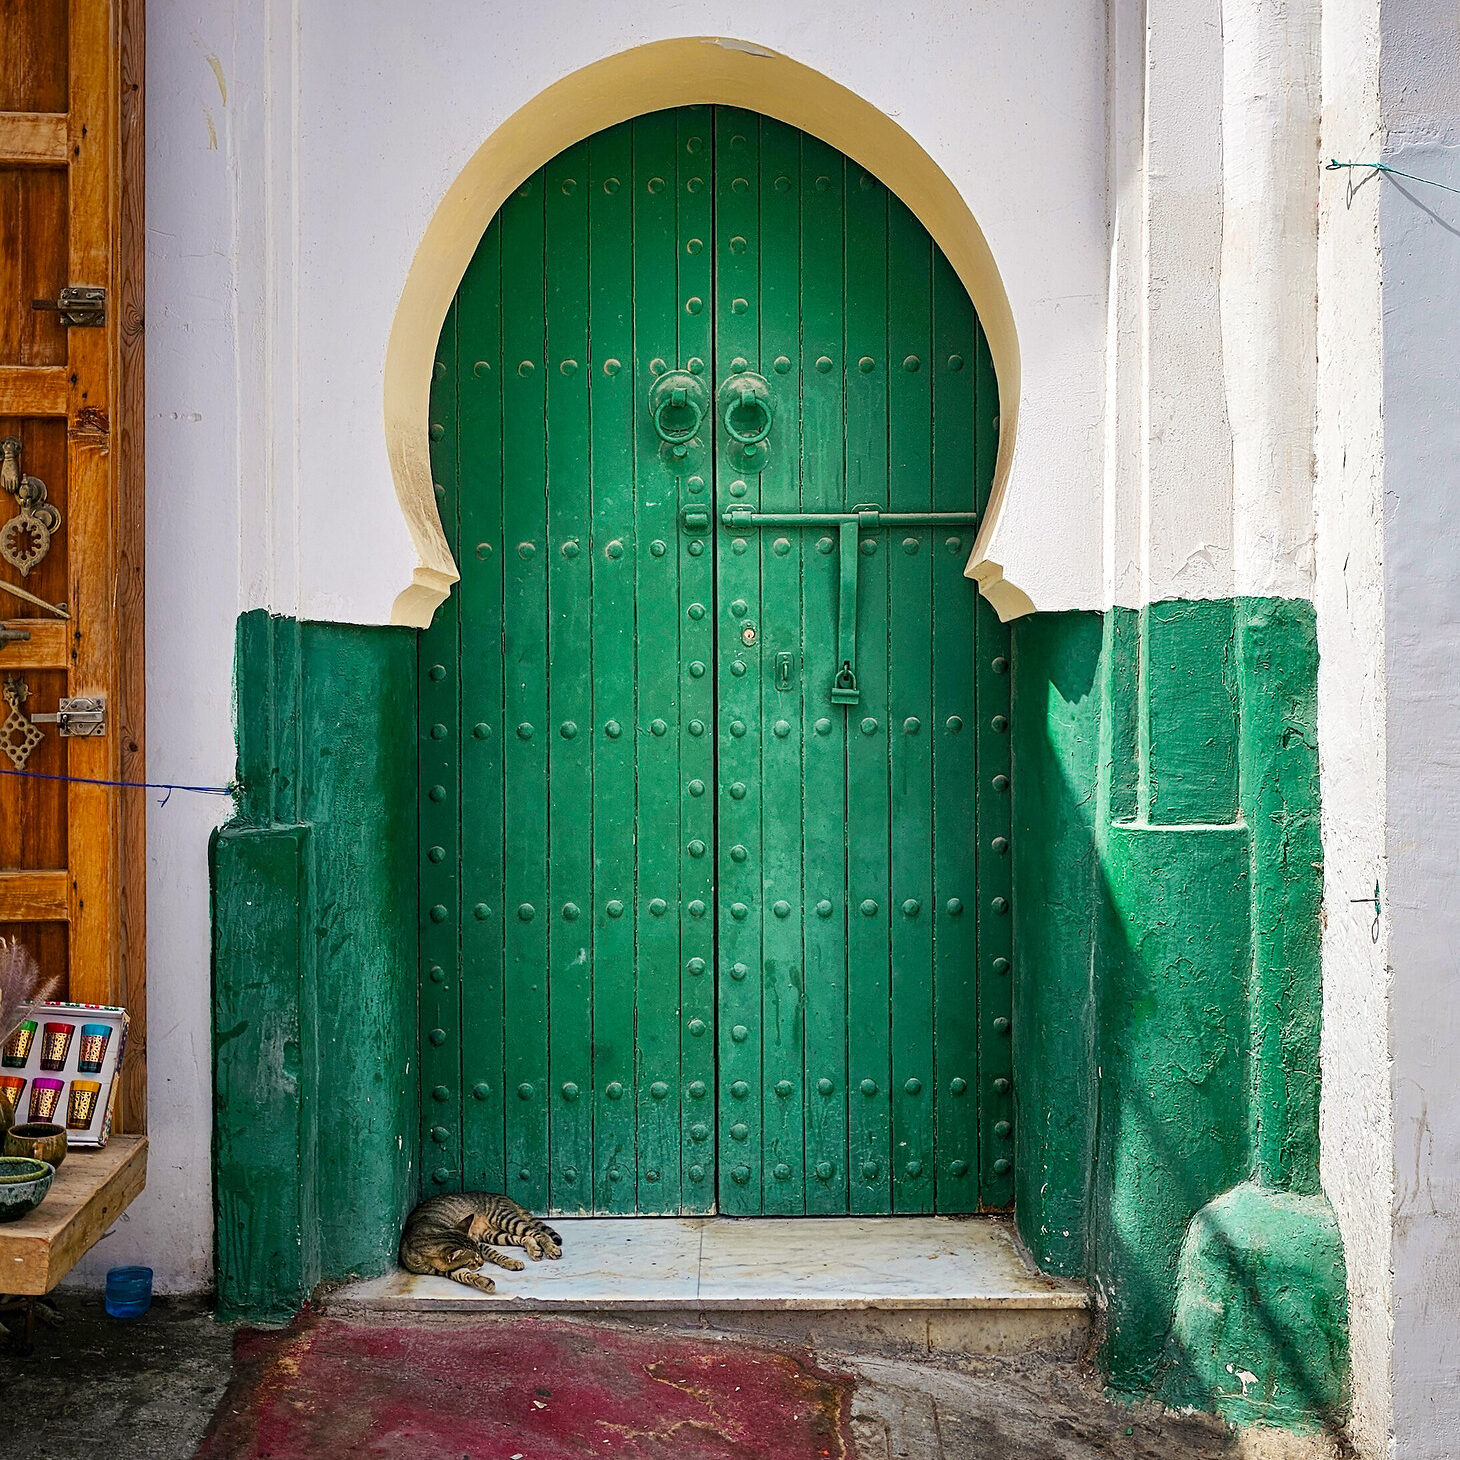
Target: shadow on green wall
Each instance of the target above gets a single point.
(1167, 890)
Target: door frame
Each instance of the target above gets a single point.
(659, 76)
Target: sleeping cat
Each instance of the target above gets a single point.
(451, 1236)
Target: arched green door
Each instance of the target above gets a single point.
(713, 731)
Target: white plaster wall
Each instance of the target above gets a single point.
(1357, 1126)
(1210, 356)
(1009, 100)
(1419, 231)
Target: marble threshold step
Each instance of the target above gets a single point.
(941, 1284)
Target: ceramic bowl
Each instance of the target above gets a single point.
(39, 1140)
(23, 1185)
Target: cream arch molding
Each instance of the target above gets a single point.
(704, 70)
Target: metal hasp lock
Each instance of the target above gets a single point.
(81, 306)
(81, 717)
(677, 406)
(849, 525)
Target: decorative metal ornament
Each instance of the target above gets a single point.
(26, 538)
(18, 737)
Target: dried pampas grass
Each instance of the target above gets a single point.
(22, 985)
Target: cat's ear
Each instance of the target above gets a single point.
(464, 1226)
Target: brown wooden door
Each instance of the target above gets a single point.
(71, 850)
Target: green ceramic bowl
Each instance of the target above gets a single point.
(23, 1185)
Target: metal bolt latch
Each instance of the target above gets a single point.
(81, 306)
(83, 716)
(13, 636)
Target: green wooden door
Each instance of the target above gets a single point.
(713, 732)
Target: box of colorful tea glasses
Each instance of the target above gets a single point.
(60, 1066)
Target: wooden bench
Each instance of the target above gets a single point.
(90, 1191)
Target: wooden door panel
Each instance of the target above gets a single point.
(33, 212)
(45, 453)
(70, 214)
(566, 751)
(35, 75)
(850, 1018)
(695, 934)
(740, 1076)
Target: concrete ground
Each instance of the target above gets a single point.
(174, 1385)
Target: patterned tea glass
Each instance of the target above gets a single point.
(17, 1047)
(45, 1096)
(11, 1089)
(84, 1095)
(55, 1044)
(92, 1049)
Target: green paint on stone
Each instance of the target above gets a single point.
(1189, 698)
(315, 963)
(1171, 1044)
(1056, 724)
(1167, 884)
(266, 1219)
(1277, 660)
(1261, 1321)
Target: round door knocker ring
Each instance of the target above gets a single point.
(677, 407)
(747, 414)
(747, 400)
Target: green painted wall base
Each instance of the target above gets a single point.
(314, 965)
(1167, 888)
(1260, 1330)
(1167, 880)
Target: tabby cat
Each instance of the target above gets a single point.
(451, 1236)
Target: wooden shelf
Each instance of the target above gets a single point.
(91, 1190)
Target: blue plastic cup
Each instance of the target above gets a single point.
(128, 1291)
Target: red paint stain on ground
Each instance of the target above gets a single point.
(536, 1388)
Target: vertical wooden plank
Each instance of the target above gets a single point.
(783, 1075)
(92, 810)
(657, 304)
(129, 470)
(994, 880)
(525, 739)
(479, 552)
(570, 687)
(610, 329)
(697, 688)
(953, 738)
(737, 347)
(823, 726)
(438, 737)
(869, 1059)
(909, 709)
(34, 77)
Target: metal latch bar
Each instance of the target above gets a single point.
(81, 306)
(870, 517)
(844, 690)
(80, 717)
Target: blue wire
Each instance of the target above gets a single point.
(1333, 162)
(167, 786)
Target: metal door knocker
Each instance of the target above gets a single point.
(18, 737)
(747, 415)
(677, 406)
(26, 538)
